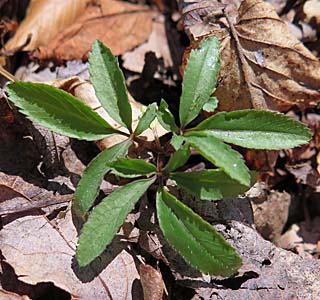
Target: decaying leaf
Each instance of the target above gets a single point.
(44, 19)
(17, 195)
(5, 295)
(40, 250)
(119, 25)
(152, 283)
(263, 65)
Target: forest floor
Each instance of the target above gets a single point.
(269, 53)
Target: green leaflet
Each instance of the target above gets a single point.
(106, 218)
(211, 105)
(109, 84)
(58, 111)
(130, 168)
(88, 187)
(257, 129)
(200, 78)
(220, 154)
(166, 118)
(194, 238)
(209, 184)
(177, 141)
(178, 159)
(146, 119)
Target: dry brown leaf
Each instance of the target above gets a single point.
(120, 25)
(44, 19)
(263, 64)
(152, 283)
(40, 250)
(85, 92)
(17, 195)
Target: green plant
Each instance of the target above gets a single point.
(191, 236)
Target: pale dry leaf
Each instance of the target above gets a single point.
(44, 19)
(157, 43)
(6, 295)
(17, 195)
(119, 25)
(311, 9)
(263, 65)
(43, 251)
(85, 92)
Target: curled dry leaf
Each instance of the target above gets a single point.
(119, 25)
(152, 283)
(85, 92)
(40, 250)
(263, 65)
(44, 19)
(17, 195)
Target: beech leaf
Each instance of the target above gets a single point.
(263, 64)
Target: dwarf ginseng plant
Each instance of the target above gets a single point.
(191, 236)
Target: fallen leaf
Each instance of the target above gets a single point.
(120, 25)
(311, 9)
(5, 295)
(44, 19)
(263, 65)
(304, 173)
(157, 43)
(152, 283)
(40, 250)
(17, 195)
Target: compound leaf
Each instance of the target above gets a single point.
(209, 184)
(109, 85)
(220, 154)
(106, 218)
(200, 78)
(257, 129)
(130, 168)
(58, 111)
(194, 238)
(89, 184)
